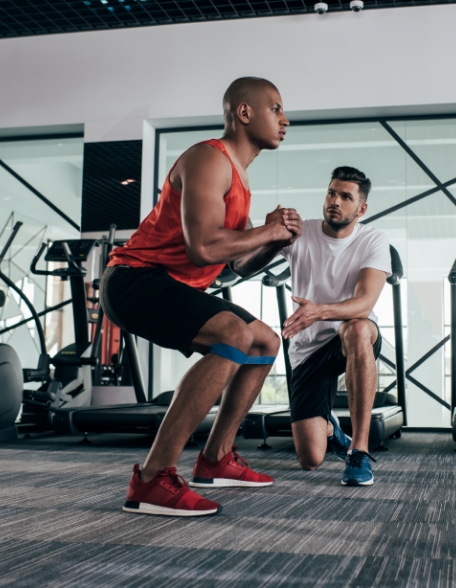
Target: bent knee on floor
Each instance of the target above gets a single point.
(310, 463)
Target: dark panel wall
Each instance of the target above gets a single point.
(105, 199)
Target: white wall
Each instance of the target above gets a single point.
(122, 83)
(385, 60)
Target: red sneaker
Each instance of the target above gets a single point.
(166, 494)
(230, 471)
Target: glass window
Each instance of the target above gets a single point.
(53, 168)
(423, 231)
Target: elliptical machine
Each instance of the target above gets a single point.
(71, 384)
(12, 377)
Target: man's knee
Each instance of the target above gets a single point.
(310, 461)
(357, 331)
(236, 333)
(265, 340)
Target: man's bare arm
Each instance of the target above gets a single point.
(367, 291)
(204, 176)
(254, 262)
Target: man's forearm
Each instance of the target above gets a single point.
(250, 264)
(353, 308)
(226, 245)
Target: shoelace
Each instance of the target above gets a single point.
(237, 457)
(177, 480)
(355, 459)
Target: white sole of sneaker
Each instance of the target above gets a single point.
(355, 483)
(227, 483)
(152, 509)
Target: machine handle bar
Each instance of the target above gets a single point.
(11, 238)
(276, 281)
(73, 270)
(396, 267)
(71, 262)
(35, 261)
(452, 274)
(112, 234)
(225, 279)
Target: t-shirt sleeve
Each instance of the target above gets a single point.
(377, 254)
(286, 252)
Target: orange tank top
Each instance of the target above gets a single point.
(159, 239)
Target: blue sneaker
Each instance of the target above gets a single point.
(358, 469)
(339, 441)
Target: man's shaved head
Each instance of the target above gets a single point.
(243, 90)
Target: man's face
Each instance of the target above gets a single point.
(267, 125)
(343, 204)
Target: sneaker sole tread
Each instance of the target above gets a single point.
(352, 482)
(226, 483)
(154, 509)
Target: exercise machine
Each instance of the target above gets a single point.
(387, 419)
(12, 376)
(71, 384)
(10, 382)
(144, 416)
(452, 280)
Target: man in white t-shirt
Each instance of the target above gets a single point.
(338, 270)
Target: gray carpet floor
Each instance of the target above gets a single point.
(62, 524)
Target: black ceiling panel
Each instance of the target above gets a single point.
(111, 185)
(21, 18)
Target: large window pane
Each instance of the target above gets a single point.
(53, 167)
(424, 233)
(434, 141)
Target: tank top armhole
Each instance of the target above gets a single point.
(221, 147)
(208, 142)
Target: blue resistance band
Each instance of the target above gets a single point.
(236, 355)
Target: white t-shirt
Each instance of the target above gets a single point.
(325, 270)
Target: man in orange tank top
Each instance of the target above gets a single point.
(154, 288)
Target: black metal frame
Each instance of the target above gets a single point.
(31, 318)
(452, 280)
(439, 187)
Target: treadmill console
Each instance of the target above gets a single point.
(80, 248)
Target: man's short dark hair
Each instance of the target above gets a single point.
(242, 90)
(351, 174)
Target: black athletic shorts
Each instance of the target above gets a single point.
(149, 303)
(314, 382)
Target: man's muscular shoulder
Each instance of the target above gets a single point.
(201, 162)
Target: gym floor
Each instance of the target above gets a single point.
(62, 523)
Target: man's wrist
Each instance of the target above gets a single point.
(323, 312)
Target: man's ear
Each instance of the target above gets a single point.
(243, 112)
(362, 209)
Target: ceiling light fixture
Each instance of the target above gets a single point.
(126, 182)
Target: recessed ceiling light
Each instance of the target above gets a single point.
(128, 181)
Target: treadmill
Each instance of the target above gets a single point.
(452, 280)
(265, 421)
